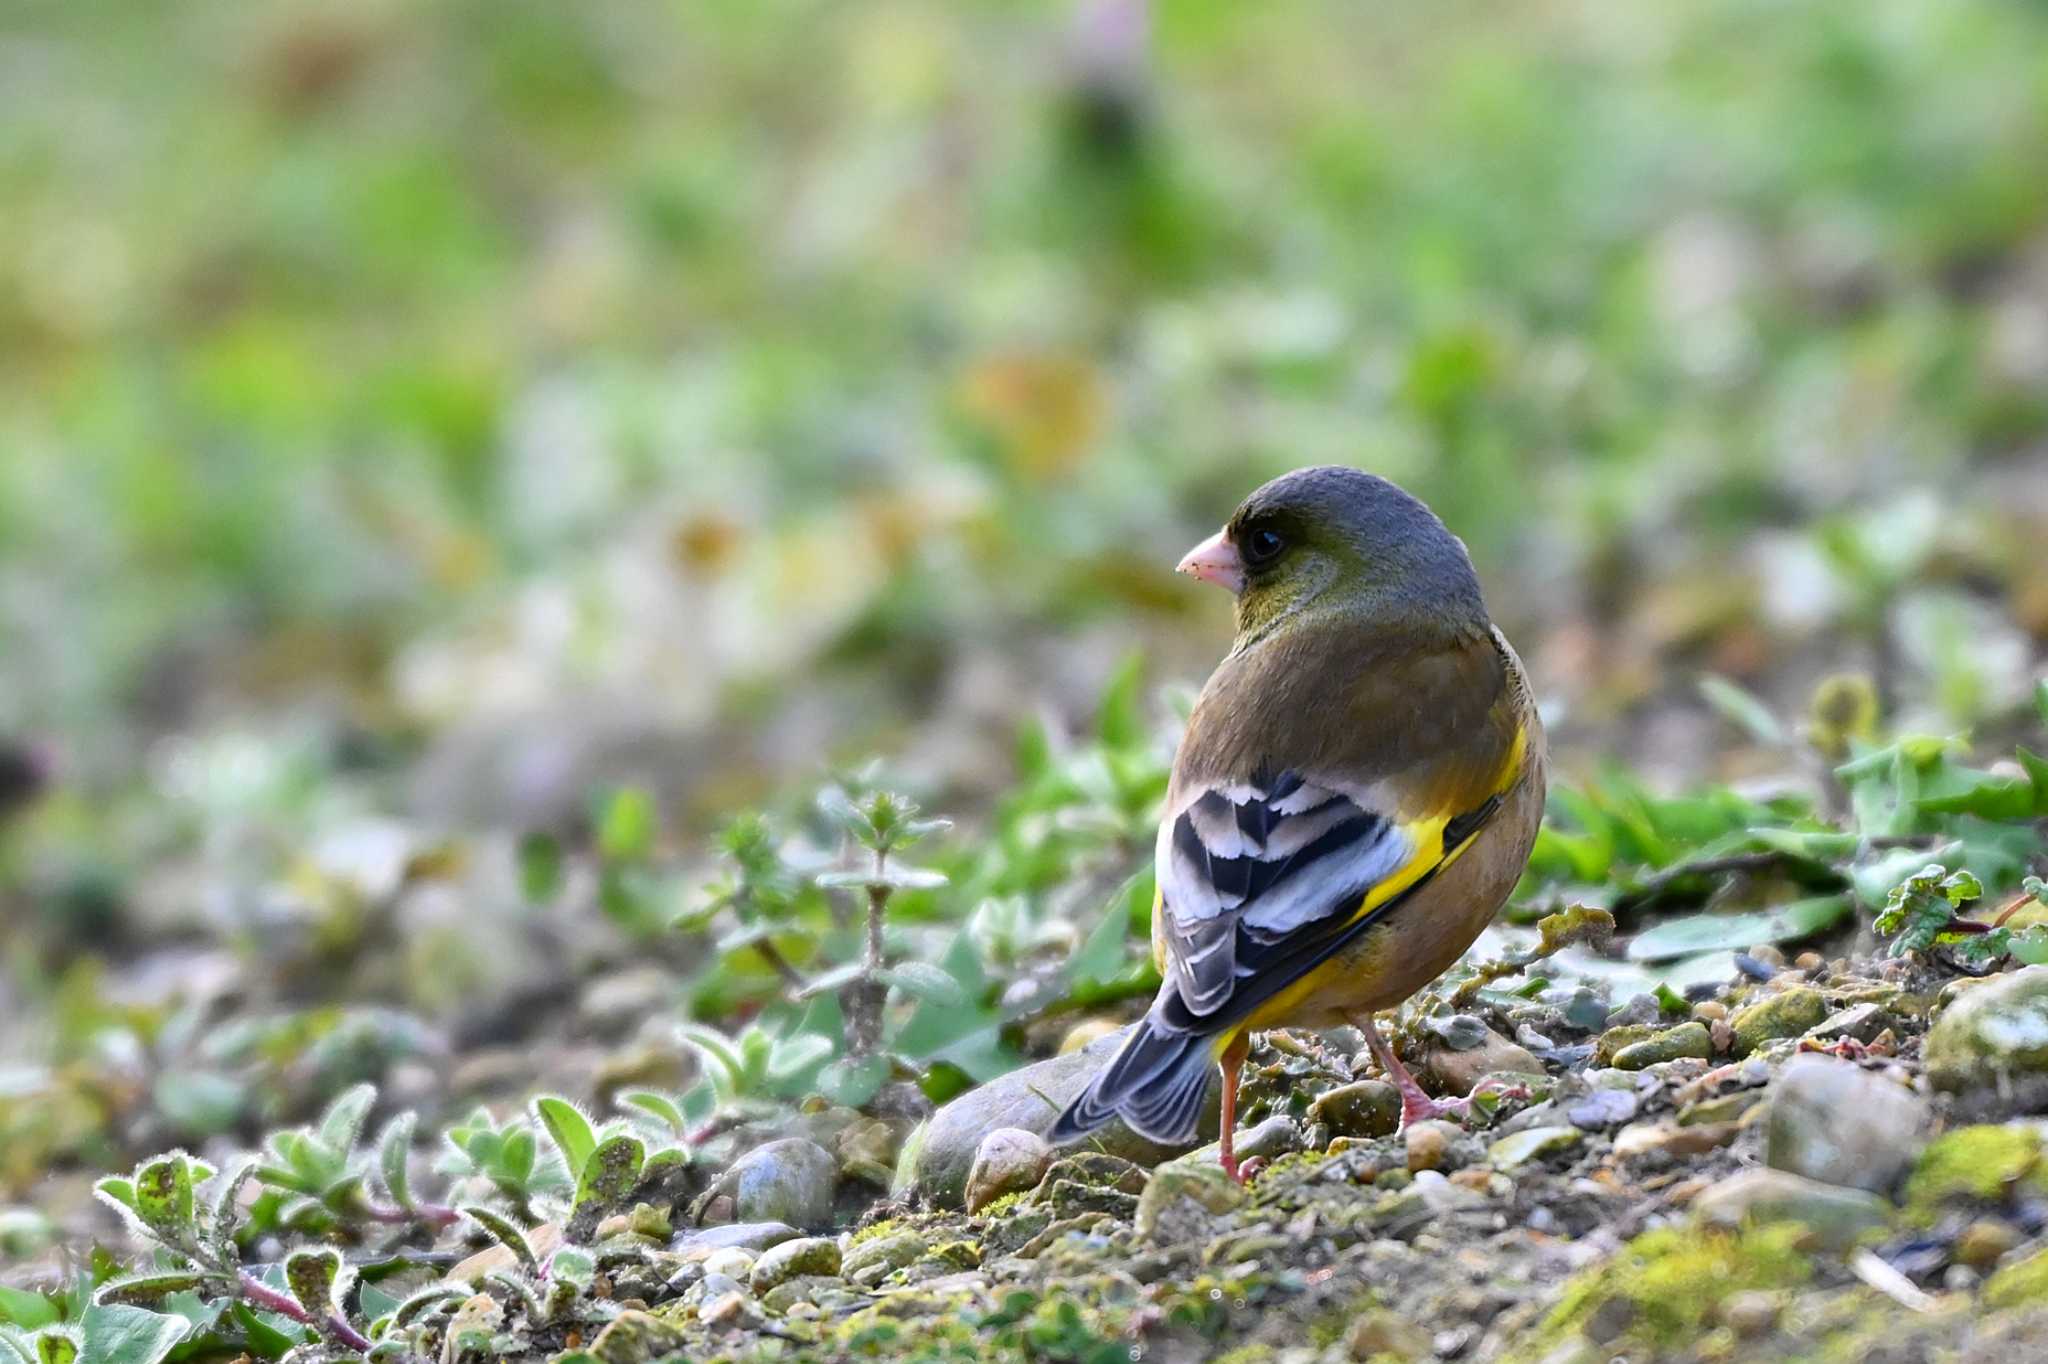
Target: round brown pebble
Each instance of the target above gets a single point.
(1427, 1144)
(1809, 961)
(1710, 1011)
(1750, 1315)
(1984, 1242)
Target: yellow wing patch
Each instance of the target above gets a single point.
(1426, 835)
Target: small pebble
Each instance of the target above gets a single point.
(1603, 1108)
(807, 1255)
(733, 1262)
(1750, 1315)
(1809, 961)
(1710, 1010)
(1008, 1160)
(1769, 955)
(1427, 1144)
(1984, 1242)
(1754, 969)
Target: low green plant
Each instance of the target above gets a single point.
(199, 1287)
(1924, 913)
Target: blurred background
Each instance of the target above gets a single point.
(417, 420)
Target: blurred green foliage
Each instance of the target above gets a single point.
(342, 346)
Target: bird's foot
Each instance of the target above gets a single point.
(1417, 1106)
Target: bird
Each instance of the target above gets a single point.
(1356, 794)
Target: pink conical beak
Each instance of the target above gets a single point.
(1216, 561)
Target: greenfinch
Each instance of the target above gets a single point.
(1357, 793)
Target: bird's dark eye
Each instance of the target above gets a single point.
(1263, 546)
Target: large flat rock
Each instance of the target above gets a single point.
(938, 1155)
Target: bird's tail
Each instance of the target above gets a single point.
(1156, 1084)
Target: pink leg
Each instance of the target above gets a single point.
(1416, 1106)
(1231, 1063)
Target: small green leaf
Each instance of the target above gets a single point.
(569, 1130)
(853, 1081)
(922, 980)
(517, 1157)
(312, 1275)
(792, 1056)
(713, 1046)
(406, 1312)
(56, 1345)
(660, 1106)
(505, 1234)
(1920, 909)
(117, 1334)
(227, 1207)
(540, 869)
(118, 1192)
(1742, 708)
(143, 1290)
(626, 830)
(572, 1265)
(837, 978)
(343, 1120)
(611, 1173)
(163, 1198)
(29, 1311)
(2029, 946)
(394, 1152)
(265, 1340)
(1119, 718)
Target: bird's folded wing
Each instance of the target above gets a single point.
(1262, 880)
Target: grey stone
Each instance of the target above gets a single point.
(807, 1256)
(1008, 1160)
(1603, 1107)
(879, 1256)
(1533, 1144)
(1994, 1033)
(1836, 1216)
(754, 1236)
(1687, 1040)
(1276, 1136)
(1457, 1070)
(791, 1180)
(1439, 1196)
(1183, 1198)
(1363, 1108)
(732, 1262)
(1836, 1122)
(1785, 1013)
(936, 1159)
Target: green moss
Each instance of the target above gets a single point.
(1675, 1280)
(1005, 1205)
(873, 1230)
(1788, 1013)
(1248, 1354)
(1983, 1163)
(2023, 1283)
(958, 1254)
(1623, 1035)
